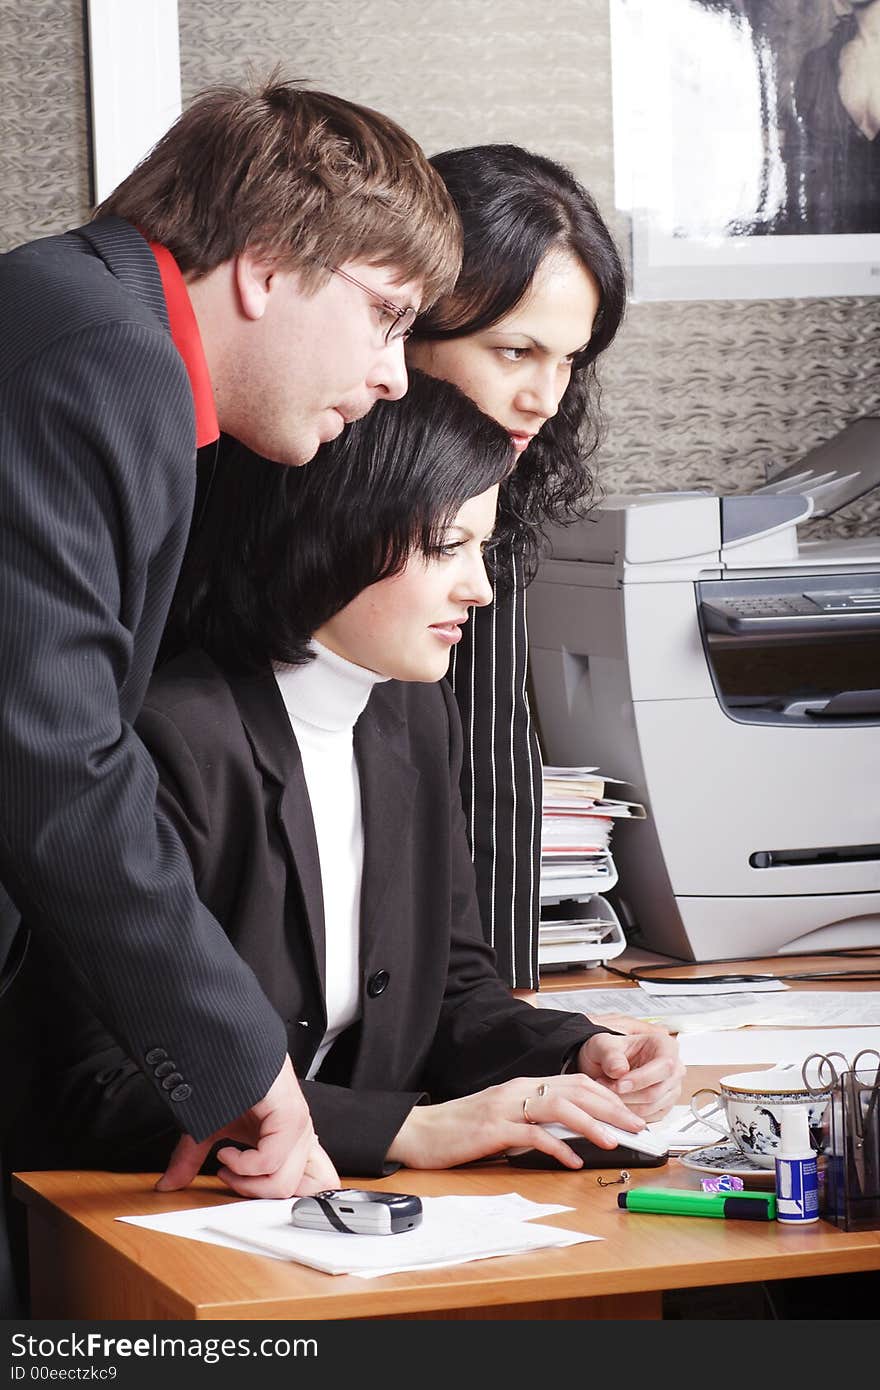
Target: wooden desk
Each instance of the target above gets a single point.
(85, 1264)
(632, 958)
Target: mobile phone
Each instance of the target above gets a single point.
(357, 1212)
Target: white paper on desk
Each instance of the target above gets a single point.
(512, 1206)
(822, 1009)
(772, 1044)
(192, 1224)
(679, 1130)
(446, 1236)
(195, 1222)
(680, 1013)
(689, 1013)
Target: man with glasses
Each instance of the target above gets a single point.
(256, 274)
(399, 321)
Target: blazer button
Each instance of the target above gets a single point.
(155, 1054)
(181, 1092)
(169, 1082)
(377, 983)
(164, 1069)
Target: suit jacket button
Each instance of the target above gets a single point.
(169, 1082)
(181, 1092)
(155, 1054)
(377, 983)
(164, 1069)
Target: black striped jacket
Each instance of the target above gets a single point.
(97, 477)
(501, 776)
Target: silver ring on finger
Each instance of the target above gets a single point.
(525, 1112)
(543, 1089)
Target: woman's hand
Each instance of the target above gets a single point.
(643, 1068)
(492, 1121)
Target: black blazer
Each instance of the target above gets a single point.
(97, 473)
(436, 1019)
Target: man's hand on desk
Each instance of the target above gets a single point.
(511, 1116)
(283, 1157)
(643, 1067)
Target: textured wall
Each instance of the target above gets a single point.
(695, 394)
(44, 172)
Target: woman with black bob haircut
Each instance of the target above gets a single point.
(309, 754)
(540, 296)
(281, 550)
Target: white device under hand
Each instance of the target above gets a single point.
(354, 1211)
(642, 1150)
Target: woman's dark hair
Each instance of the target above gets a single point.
(516, 206)
(280, 550)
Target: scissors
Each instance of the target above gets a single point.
(825, 1065)
(827, 1076)
(858, 1120)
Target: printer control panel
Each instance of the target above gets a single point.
(852, 606)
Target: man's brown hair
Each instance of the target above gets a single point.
(303, 177)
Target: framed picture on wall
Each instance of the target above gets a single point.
(747, 146)
(134, 84)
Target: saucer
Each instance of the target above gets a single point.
(726, 1158)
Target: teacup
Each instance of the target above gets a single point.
(748, 1109)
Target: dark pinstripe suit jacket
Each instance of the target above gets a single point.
(501, 779)
(434, 1015)
(97, 472)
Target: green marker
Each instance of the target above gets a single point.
(669, 1201)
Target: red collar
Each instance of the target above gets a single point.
(187, 340)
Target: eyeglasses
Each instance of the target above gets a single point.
(403, 319)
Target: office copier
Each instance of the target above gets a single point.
(728, 667)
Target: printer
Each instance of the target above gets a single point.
(702, 648)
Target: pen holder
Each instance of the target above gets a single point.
(852, 1169)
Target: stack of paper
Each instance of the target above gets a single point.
(592, 936)
(576, 866)
(577, 818)
(579, 789)
(454, 1230)
(574, 783)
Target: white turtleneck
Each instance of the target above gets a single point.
(324, 699)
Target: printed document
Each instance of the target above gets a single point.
(685, 1013)
(693, 1013)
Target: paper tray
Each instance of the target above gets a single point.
(835, 473)
(558, 955)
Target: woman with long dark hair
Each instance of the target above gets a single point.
(540, 297)
(308, 754)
